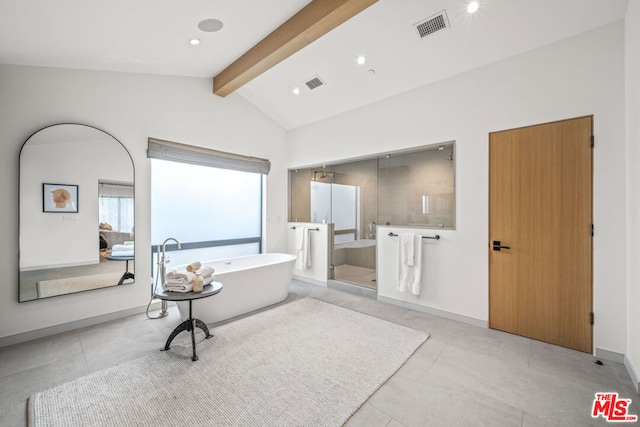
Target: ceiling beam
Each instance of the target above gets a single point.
(309, 24)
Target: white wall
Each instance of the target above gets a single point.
(579, 76)
(633, 186)
(131, 107)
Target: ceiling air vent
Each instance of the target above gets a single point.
(314, 82)
(432, 24)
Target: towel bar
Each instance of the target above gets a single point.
(311, 229)
(436, 237)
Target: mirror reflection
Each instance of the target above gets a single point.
(76, 212)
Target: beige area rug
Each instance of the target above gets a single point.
(306, 363)
(50, 288)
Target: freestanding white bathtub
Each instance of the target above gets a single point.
(249, 283)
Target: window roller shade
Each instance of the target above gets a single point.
(173, 151)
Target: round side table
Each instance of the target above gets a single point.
(191, 323)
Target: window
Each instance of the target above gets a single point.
(214, 213)
(116, 206)
(210, 201)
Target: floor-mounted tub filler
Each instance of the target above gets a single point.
(250, 283)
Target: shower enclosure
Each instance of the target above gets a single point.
(411, 188)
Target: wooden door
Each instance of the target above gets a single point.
(540, 210)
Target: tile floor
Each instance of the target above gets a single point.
(461, 376)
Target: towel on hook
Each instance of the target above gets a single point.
(303, 248)
(410, 263)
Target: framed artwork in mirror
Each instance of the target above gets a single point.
(59, 198)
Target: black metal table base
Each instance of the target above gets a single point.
(189, 325)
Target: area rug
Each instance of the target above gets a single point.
(50, 288)
(305, 363)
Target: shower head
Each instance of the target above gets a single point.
(323, 174)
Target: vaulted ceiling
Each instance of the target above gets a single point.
(152, 36)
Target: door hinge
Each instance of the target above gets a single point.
(591, 318)
(593, 141)
(591, 229)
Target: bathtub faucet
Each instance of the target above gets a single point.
(164, 261)
(162, 264)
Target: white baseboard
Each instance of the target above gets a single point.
(310, 280)
(77, 324)
(611, 356)
(447, 315)
(633, 373)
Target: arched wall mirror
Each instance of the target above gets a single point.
(76, 212)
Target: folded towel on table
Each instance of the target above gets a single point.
(180, 277)
(186, 287)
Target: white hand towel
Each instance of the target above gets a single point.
(303, 248)
(299, 236)
(410, 263)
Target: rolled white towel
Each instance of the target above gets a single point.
(122, 248)
(194, 266)
(128, 243)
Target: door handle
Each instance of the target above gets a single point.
(497, 246)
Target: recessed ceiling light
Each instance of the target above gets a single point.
(210, 25)
(473, 6)
(296, 91)
(194, 42)
(361, 60)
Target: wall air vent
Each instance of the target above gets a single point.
(433, 24)
(314, 82)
